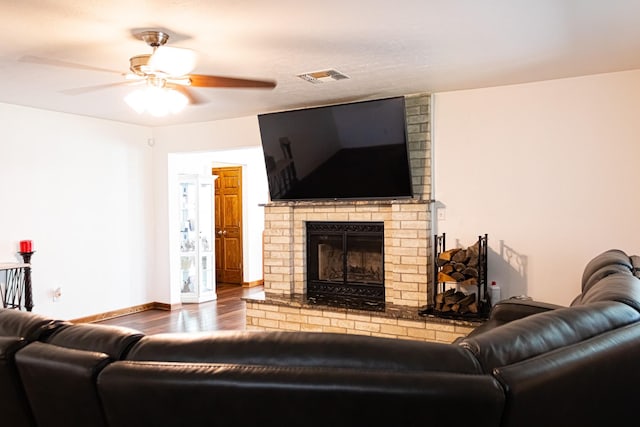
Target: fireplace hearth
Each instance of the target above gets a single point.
(345, 264)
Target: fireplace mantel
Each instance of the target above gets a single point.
(345, 202)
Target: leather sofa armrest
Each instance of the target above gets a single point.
(544, 332)
(509, 310)
(609, 362)
(515, 308)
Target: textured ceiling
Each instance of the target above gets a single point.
(386, 48)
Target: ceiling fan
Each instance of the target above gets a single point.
(165, 67)
(170, 67)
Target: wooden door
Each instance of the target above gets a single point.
(228, 224)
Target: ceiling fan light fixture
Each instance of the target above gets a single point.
(136, 100)
(157, 101)
(173, 61)
(176, 100)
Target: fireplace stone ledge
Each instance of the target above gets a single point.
(274, 312)
(372, 202)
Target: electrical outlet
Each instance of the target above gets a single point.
(57, 293)
(441, 214)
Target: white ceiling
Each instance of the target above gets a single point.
(386, 47)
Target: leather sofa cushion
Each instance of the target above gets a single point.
(141, 394)
(30, 326)
(305, 349)
(112, 340)
(540, 333)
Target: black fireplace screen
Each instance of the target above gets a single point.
(345, 264)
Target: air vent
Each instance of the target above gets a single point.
(323, 76)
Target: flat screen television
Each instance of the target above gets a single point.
(354, 151)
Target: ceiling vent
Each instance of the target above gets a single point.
(323, 76)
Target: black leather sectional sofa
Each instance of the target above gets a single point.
(530, 364)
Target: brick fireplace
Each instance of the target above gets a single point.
(407, 256)
(406, 244)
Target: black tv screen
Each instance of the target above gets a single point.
(347, 151)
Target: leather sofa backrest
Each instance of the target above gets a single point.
(59, 376)
(600, 274)
(115, 341)
(30, 326)
(173, 394)
(622, 287)
(597, 267)
(544, 332)
(294, 378)
(304, 349)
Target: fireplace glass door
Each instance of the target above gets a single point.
(345, 264)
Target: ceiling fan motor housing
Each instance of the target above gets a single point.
(139, 64)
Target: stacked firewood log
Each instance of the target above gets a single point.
(456, 302)
(459, 266)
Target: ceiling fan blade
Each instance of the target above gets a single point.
(64, 64)
(191, 96)
(200, 80)
(88, 89)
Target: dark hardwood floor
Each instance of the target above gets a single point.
(225, 313)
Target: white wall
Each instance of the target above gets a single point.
(80, 188)
(549, 170)
(232, 142)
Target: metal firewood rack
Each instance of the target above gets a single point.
(483, 298)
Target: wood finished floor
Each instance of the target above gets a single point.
(227, 313)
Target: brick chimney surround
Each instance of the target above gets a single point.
(408, 257)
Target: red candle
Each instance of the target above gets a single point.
(26, 246)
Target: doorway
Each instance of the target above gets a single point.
(228, 224)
